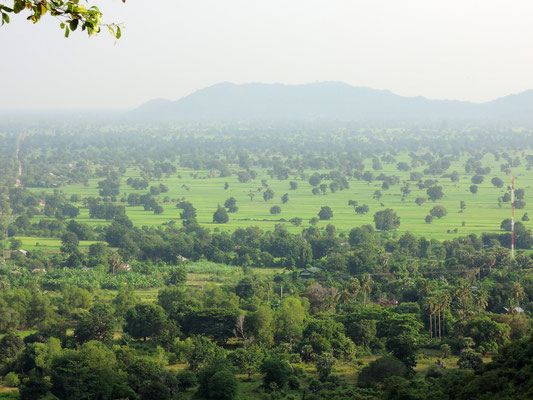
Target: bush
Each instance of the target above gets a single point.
(276, 371)
(223, 385)
(186, 379)
(379, 370)
(11, 380)
(469, 359)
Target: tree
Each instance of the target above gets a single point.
(438, 212)
(363, 332)
(386, 220)
(97, 324)
(296, 221)
(189, 212)
(144, 321)
(70, 13)
(473, 189)
(69, 243)
(519, 204)
(276, 373)
(404, 347)
(124, 300)
(419, 201)
(362, 209)
(10, 345)
(244, 177)
(223, 385)
(285, 198)
(220, 216)
(368, 176)
(435, 193)
(248, 360)
(177, 276)
(325, 213)
(231, 205)
(91, 372)
(315, 179)
(324, 365)
(469, 359)
(293, 185)
(268, 194)
(478, 179)
(497, 182)
(275, 210)
(428, 219)
(289, 322)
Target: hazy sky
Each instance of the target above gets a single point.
(452, 49)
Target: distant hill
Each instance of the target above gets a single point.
(327, 100)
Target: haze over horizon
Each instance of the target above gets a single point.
(474, 51)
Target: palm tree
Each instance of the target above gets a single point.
(463, 296)
(430, 305)
(366, 288)
(481, 299)
(355, 288)
(345, 297)
(444, 300)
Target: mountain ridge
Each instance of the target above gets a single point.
(327, 100)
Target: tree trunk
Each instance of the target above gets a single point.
(439, 325)
(430, 326)
(444, 321)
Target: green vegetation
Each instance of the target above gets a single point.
(161, 265)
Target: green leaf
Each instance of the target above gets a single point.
(73, 24)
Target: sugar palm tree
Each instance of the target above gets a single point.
(355, 288)
(366, 288)
(430, 303)
(481, 299)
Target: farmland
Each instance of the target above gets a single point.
(205, 192)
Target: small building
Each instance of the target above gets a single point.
(181, 258)
(518, 310)
(309, 272)
(38, 271)
(85, 269)
(15, 272)
(23, 252)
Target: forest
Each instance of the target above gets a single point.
(265, 260)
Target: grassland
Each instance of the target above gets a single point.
(482, 213)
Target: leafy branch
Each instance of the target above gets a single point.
(71, 14)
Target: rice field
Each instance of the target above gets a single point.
(205, 192)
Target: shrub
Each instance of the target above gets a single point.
(223, 385)
(11, 380)
(276, 371)
(186, 379)
(379, 370)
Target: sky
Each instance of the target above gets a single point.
(474, 50)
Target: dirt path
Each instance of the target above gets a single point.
(19, 172)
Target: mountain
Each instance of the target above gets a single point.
(327, 100)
